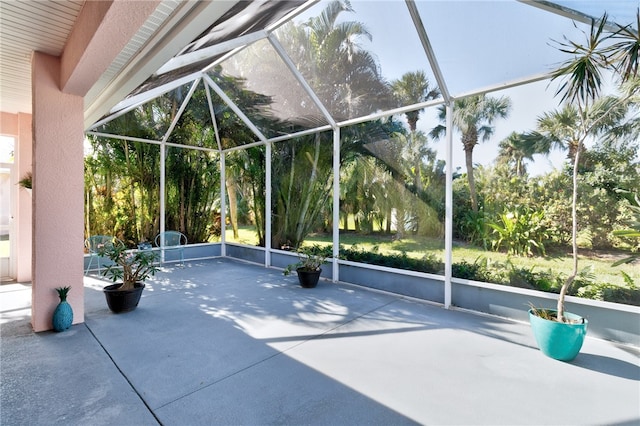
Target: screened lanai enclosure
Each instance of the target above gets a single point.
(422, 136)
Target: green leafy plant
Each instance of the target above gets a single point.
(521, 231)
(428, 263)
(62, 293)
(628, 293)
(581, 79)
(628, 280)
(129, 266)
(472, 227)
(632, 232)
(484, 269)
(26, 181)
(310, 259)
(547, 314)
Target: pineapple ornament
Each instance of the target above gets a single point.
(63, 315)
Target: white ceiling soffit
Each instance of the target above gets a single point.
(173, 25)
(27, 26)
(158, 18)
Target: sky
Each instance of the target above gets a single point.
(493, 42)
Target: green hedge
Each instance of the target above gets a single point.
(506, 273)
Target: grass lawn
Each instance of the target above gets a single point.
(246, 235)
(418, 247)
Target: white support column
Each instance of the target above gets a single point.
(267, 206)
(163, 159)
(336, 203)
(448, 222)
(223, 204)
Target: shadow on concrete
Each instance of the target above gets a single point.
(608, 365)
(224, 342)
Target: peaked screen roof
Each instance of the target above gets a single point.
(279, 68)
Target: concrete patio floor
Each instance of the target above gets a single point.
(224, 342)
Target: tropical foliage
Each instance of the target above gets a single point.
(129, 266)
(391, 178)
(474, 116)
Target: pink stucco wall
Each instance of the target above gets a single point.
(50, 224)
(102, 30)
(8, 124)
(58, 87)
(58, 182)
(18, 126)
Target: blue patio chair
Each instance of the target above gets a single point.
(172, 240)
(94, 243)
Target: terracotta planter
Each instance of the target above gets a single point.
(123, 300)
(308, 279)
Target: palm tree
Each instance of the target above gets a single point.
(564, 128)
(347, 80)
(413, 88)
(581, 77)
(514, 149)
(345, 77)
(473, 116)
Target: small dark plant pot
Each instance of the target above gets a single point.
(558, 340)
(123, 300)
(308, 279)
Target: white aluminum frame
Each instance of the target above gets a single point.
(233, 46)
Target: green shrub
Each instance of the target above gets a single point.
(504, 273)
(472, 227)
(428, 263)
(520, 231)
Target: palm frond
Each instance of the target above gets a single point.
(582, 74)
(626, 53)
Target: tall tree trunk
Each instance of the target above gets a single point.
(292, 176)
(469, 141)
(345, 219)
(417, 164)
(131, 188)
(302, 219)
(574, 238)
(182, 208)
(230, 183)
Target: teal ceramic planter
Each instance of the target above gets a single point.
(561, 341)
(62, 316)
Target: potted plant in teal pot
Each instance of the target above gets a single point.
(308, 267)
(129, 270)
(560, 334)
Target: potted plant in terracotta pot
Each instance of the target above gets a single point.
(560, 334)
(308, 267)
(129, 270)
